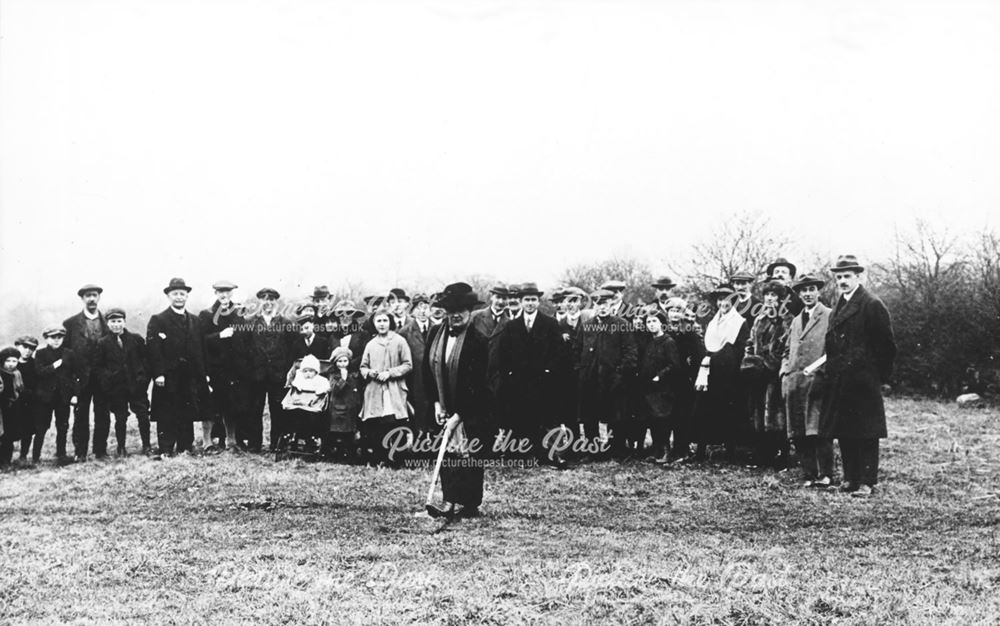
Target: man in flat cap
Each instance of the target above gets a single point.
(528, 360)
(455, 371)
(490, 322)
(744, 301)
(860, 351)
(617, 289)
(325, 321)
(569, 331)
(271, 336)
(177, 365)
(608, 357)
(122, 372)
(83, 332)
(228, 363)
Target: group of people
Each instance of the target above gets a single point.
(774, 367)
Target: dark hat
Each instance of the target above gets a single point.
(847, 263)
(724, 289)
(175, 284)
(268, 291)
(775, 287)
(745, 277)
(514, 290)
(529, 289)
(574, 292)
(9, 352)
(808, 279)
(658, 314)
(224, 285)
(613, 285)
(779, 262)
(308, 309)
(399, 294)
(346, 306)
(52, 331)
(89, 287)
(306, 317)
(374, 301)
(500, 289)
(457, 297)
(114, 313)
(321, 292)
(26, 340)
(420, 297)
(601, 295)
(664, 282)
(558, 295)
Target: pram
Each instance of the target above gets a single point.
(307, 418)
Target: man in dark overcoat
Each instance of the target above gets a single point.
(860, 350)
(228, 363)
(455, 371)
(83, 331)
(416, 331)
(489, 322)
(608, 357)
(177, 365)
(528, 360)
(270, 338)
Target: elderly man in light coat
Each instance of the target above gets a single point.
(805, 344)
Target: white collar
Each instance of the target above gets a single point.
(176, 312)
(849, 294)
(530, 318)
(91, 317)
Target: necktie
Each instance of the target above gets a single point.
(527, 324)
(805, 318)
(120, 342)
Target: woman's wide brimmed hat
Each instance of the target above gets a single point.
(457, 297)
(346, 307)
(847, 263)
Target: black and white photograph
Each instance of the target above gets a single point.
(500, 312)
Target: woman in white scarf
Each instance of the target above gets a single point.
(716, 414)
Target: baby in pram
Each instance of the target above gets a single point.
(305, 406)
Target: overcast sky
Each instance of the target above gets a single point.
(279, 142)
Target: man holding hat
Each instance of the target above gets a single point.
(228, 364)
(529, 364)
(83, 332)
(607, 358)
(455, 370)
(803, 394)
(58, 383)
(123, 378)
(271, 336)
(860, 350)
(177, 365)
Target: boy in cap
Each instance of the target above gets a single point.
(123, 380)
(83, 331)
(27, 345)
(58, 383)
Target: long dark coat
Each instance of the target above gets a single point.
(860, 350)
(661, 360)
(423, 412)
(607, 357)
(720, 412)
(121, 371)
(529, 367)
(319, 348)
(270, 348)
(176, 352)
(226, 360)
(484, 323)
(56, 386)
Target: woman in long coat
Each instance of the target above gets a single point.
(767, 411)
(716, 414)
(686, 334)
(384, 364)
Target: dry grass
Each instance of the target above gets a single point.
(226, 539)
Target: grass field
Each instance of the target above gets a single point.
(234, 539)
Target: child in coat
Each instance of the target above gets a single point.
(345, 406)
(58, 383)
(122, 373)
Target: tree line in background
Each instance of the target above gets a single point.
(942, 289)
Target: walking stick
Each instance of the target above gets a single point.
(448, 429)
